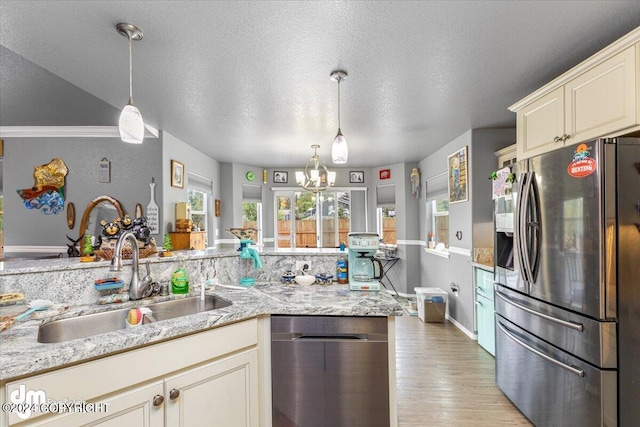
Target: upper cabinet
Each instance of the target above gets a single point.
(598, 98)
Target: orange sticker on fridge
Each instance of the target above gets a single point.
(582, 165)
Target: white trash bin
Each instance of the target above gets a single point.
(431, 309)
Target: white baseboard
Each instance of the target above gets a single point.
(462, 328)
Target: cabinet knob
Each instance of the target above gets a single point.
(556, 139)
(174, 393)
(158, 400)
(565, 137)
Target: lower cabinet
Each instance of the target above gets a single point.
(223, 393)
(485, 309)
(486, 328)
(136, 407)
(204, 379)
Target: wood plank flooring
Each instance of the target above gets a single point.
(444, 378)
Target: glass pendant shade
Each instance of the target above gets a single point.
(339, 150)
(131, 125)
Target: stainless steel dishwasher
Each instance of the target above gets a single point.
(329, 371)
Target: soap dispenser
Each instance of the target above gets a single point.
(179, 278)
(249, 261)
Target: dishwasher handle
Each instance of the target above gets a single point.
(292, 336)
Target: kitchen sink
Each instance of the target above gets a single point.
(114, 320)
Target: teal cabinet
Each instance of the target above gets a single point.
(485, 309)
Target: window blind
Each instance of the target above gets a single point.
(199, 183)
(436, 185)
(251, 193)
(386, 195)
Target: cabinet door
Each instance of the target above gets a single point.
(197, 240)
(486, 328)
(221, 393)
(602, 100)
(539, 123)
(131, 408)
(484, 282)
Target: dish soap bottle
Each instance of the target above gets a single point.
(342, 266)
(179, 279)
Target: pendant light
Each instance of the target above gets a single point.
(130, 125)
(311, 178)
(339, 150)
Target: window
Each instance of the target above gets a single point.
(199, 190)
(323, 220)
(198, 203)
(386, 213)
(439, 209)
(252, 209)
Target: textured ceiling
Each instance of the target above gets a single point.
(248, 82)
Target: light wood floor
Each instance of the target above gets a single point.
(444, 378)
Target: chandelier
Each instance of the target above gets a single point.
(316, 177)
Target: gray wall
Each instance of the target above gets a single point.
(441, 272)
(132, 167)
(194, 161)
(46, 99)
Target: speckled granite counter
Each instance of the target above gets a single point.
(21, 354)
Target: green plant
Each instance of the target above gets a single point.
(166, 242)
(87, 248)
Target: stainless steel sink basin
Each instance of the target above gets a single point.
(108, 321)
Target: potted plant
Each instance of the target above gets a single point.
(87, 250)
(166, 246)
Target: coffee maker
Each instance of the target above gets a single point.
(365, 270)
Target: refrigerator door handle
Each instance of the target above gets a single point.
(577, 326)
(533, 227)
(519, 229)
(524, 238)
(577, 371)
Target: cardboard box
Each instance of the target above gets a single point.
(428, 310)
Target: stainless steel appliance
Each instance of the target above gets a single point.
(568, 308)
(365, 270)
(329, 371)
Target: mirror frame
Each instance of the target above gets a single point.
(92, 204)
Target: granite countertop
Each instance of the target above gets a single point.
(21, 354)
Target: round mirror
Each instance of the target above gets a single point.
(101, 208)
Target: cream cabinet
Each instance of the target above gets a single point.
(598, 98)
(604, 99)
(506, 156)
(223, 393)
(191, 381)
(140, 407)
(540, 125)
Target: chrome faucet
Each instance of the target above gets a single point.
(138, 288)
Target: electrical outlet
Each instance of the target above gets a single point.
(300, 265)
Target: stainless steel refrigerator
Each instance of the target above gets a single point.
(568, 300)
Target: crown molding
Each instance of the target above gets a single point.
(69, 132)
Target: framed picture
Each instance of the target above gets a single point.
(458, 176)
(384, 173)
(356, 177)
(280, 177)
(177, 174)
